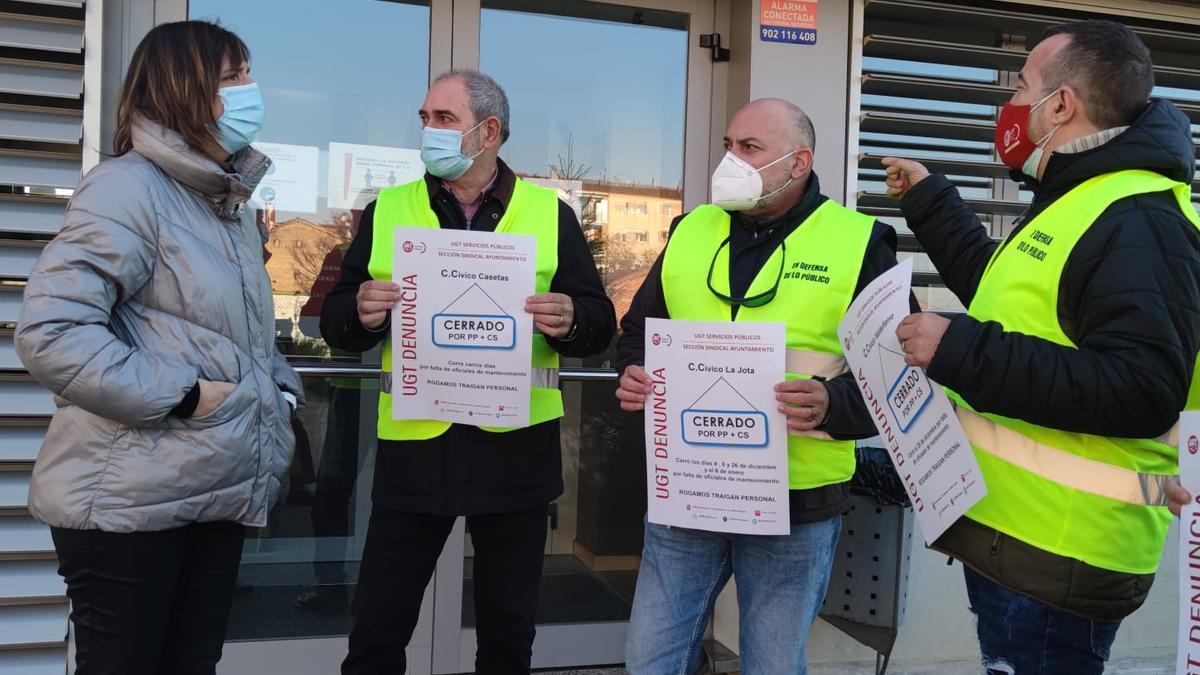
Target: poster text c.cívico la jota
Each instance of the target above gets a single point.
(716, 444)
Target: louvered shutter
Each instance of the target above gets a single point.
(41, 119)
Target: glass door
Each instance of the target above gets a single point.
(611, 105)
(336, 136)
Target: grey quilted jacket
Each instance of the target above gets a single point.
(157, 280)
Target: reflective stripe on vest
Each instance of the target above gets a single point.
(824, 258)
(1061, 466)
(819, 364)
(1091, 498)
(533, 211)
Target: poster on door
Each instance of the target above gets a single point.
(358, 172)
(569, 191)
(291, 182)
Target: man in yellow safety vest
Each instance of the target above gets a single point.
(1077, 351)
(427, 473)
(725, 261)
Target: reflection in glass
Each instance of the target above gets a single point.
(298, 573)
(598, 94)
(602, 121)
(320, 65)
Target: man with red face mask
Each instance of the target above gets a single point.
(1077, 351)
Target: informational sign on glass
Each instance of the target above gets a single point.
(291, 182)
(358, 172)
(570, 191)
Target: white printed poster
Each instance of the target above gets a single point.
(716, 443)
(1187, 661)
(461, 339)
(291, 182)
(358, 172)
(915, 419)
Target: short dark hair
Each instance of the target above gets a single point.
(173, 80)
(1107, 65)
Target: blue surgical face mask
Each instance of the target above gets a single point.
(441, 151)
(243, 116)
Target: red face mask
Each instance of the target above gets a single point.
(1012, 133)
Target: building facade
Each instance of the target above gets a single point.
(617, 105)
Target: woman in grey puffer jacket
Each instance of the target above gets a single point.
(150, 318)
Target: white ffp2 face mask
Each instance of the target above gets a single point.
(1031, 165)
(737, 186)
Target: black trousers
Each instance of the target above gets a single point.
(336, 476)
(150, 603)
(399, 559)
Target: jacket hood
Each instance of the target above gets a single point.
(1160, 140)
(227, 192)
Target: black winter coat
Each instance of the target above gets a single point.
(1129, 296)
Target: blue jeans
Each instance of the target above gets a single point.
(781, 583)
(1022, 636)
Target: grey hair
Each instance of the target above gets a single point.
(803, 133)
(486, 96)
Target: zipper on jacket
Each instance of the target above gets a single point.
(235, 231)
(996, 544)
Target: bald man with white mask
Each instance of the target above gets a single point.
(723, 262)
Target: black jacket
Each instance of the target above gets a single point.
(468, 471)
(1129, 298)
(750, 246)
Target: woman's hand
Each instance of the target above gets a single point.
(212, 395)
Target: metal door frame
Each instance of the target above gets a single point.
(440, 643)
(593, 643)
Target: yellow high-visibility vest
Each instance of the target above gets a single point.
(820, 271)
(1091, 498)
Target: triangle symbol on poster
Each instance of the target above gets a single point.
(723, 396)
(474, 301)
